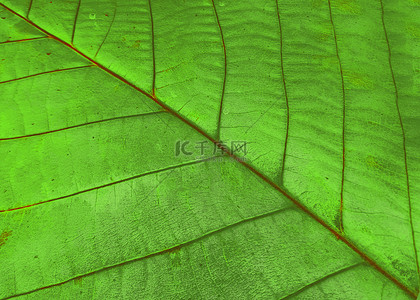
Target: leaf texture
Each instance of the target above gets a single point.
(95, 95)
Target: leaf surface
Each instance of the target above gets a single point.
(96, 95)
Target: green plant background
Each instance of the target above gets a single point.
(94, 96)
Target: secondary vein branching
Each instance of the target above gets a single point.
(75, 22)
(403, 140)
(80, 125)
(341, 225)
(343, 270)
(107, 33)
(46, 72)
(111, 184)
(29, 9)
(285, 95)
(225, 73)
(23, 40)
(168, 250)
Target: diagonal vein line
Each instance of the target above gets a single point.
(229, 153)
(75, 22)
(47, 72)
(341, 226)
(81, 125)
(404, 140)
(261, 115)
(225, 72)
(107, 33)
(285, 95)
(323, 279)
(153, 51)
(111, 183)
(29, 9)
(168, 250)
(159, 183)
(23, 40)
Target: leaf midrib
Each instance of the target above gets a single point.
(226, 150)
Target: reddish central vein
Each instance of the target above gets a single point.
(153, 51)
(225, 73)
(285, 95)
(344, 120)
(404, 141)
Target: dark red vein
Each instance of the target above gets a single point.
(75, 22)
(341, 225)
(225, 72)
(29, 9)
(23, 40)
(47, 72)
(109, 29)
(285, 95)
(321, 280)
(109, 184)
(153, 51)
(168, 250)
(404, 140)
(229, 153)
(80, 125)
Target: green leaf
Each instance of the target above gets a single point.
(319, 99)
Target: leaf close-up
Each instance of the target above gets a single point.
(209, 149)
